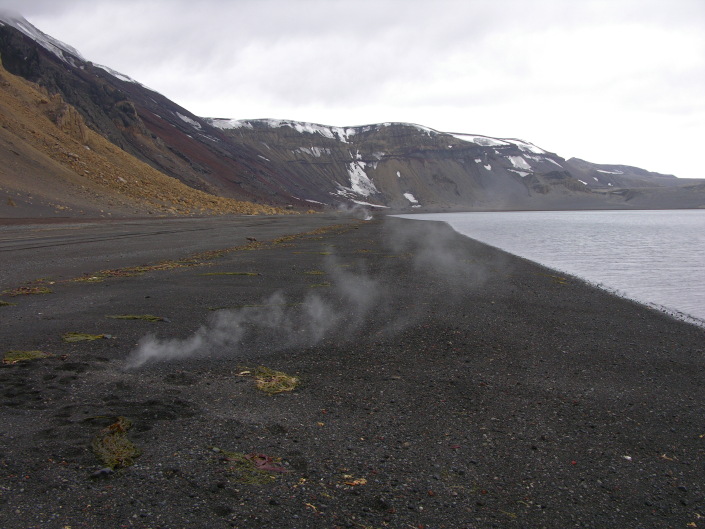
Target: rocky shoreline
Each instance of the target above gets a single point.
(443, 383)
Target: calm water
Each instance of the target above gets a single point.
(654, 257)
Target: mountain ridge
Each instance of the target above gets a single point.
(299, 165)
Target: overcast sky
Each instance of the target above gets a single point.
(615, 81)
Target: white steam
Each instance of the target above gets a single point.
(275, 323)
(357, 211)
(353, 301)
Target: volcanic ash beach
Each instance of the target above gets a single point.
(387, 373)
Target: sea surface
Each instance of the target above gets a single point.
(653, 257)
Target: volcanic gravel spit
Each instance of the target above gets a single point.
(442, 384)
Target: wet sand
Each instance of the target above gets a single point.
(443, 384)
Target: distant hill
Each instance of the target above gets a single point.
(69, 139)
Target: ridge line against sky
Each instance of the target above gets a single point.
(620, 81)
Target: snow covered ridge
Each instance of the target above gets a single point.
(63, 51)
(487, 141)
(333, 133)
(328, 131)
(343, 134)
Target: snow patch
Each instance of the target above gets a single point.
(520, 173)
(609, 172)
(369, 204)
(488, 167)
(123, 77)
(398, 174)
(582, 182)
(411, 198)
(526, 146)
(485, 141)
(519, 162)
(266, 159)
(224, 123)
(314, 151)
(360, 184)
(186, 119)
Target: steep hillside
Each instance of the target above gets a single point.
(137, 119)
(52, 164)
(405, 167)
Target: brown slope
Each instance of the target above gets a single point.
(51, 164)
(145, 124)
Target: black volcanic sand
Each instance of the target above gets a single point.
(451, 385)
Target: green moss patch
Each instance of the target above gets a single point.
(231, 274)
(146, 317)
(13, 357)
(27, 291)
(113, 447)
(6, 303)
(270, 381)
(252, 469)
(83, 337)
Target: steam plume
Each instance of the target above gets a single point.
(353, 301)
(276, 323)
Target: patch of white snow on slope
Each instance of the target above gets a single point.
(368, 204)
(190, 121)
(411, 198)
(359, 181)
(485, 141)
(314, 151)
(120, 76)
(519, 162)
(224, 123)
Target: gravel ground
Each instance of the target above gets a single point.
(443, 384)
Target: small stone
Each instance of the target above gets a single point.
(102, 473)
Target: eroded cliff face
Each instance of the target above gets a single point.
(406, 167)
